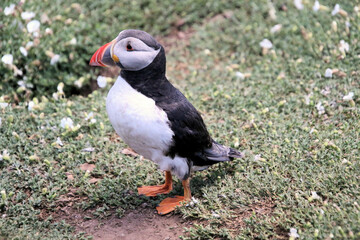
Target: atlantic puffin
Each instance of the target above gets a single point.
(153, 117)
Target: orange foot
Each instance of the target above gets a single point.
(152, 191)
(169, 204)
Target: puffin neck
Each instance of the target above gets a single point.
(149, 75)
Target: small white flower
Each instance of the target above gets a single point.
(298, 4)
(266, 43)
(89, 116)
(54, 59)
(93, 121)
(344, 46)
(58, 141)
(215, 215)
(33, 26)
(101, 81)
(29, 44)
(348, 97)
(321, 211)
(316, 6)
(335, 10)
(293, 233)
(240, 75)
(27, 15)
(9, 10)
(31, 105)
(257, 157)
(320, 108)
(60, 87)
(347, 24)
(73, 41)
(66, 123)
(328, 73)
(207, 52)
(88, 149)
(276, 28)
(7, 59)
(48, 31)
(3, 105)
(23, 51)
(0, 121)
(315, 196)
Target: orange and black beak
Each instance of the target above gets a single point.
(104, 56)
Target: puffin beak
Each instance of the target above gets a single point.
(104, 56)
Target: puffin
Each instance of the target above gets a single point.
(154, 118)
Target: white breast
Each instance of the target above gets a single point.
(142, 125)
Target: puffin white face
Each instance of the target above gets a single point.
(133, 54)
(131, 50)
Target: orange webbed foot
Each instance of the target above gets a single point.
(152, 191)
(169, 204)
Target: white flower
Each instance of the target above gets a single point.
(257, 157)
(9, 10)
(66, 123)
(320, 108)
(348, 97)
(3, 105)
(298, 4)
(23, 51)
(88, 149)
(347, 24)
(31, 105)
(344, 46)
(29, 44)
(73, 41)
(328, 73)
(58, 141)
(314, 196)
(54, 59)
(101, 81)
(27, 15)
(33, 26)
(335, 10)
(7, 59)
(240, 75)
(293, 233)
(316, 6)
(0, 122)
(276, 28)
(89, 116)
(215, 215)
(266, 43)
(60, 87)
(48, 31)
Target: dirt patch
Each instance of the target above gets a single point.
(134, 225)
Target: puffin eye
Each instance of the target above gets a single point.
(129, 47)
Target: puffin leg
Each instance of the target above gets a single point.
(152, 191)
(169, 204)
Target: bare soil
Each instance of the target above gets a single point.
(143, 224)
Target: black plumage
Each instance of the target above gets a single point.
(191, 139)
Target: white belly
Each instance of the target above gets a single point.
(142, 125)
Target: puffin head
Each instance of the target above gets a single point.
(131, 50)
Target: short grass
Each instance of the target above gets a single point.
(292, 149)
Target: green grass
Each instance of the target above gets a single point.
(291, 149)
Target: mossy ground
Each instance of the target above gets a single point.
(293, 147)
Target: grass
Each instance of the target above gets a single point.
(291, 149)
